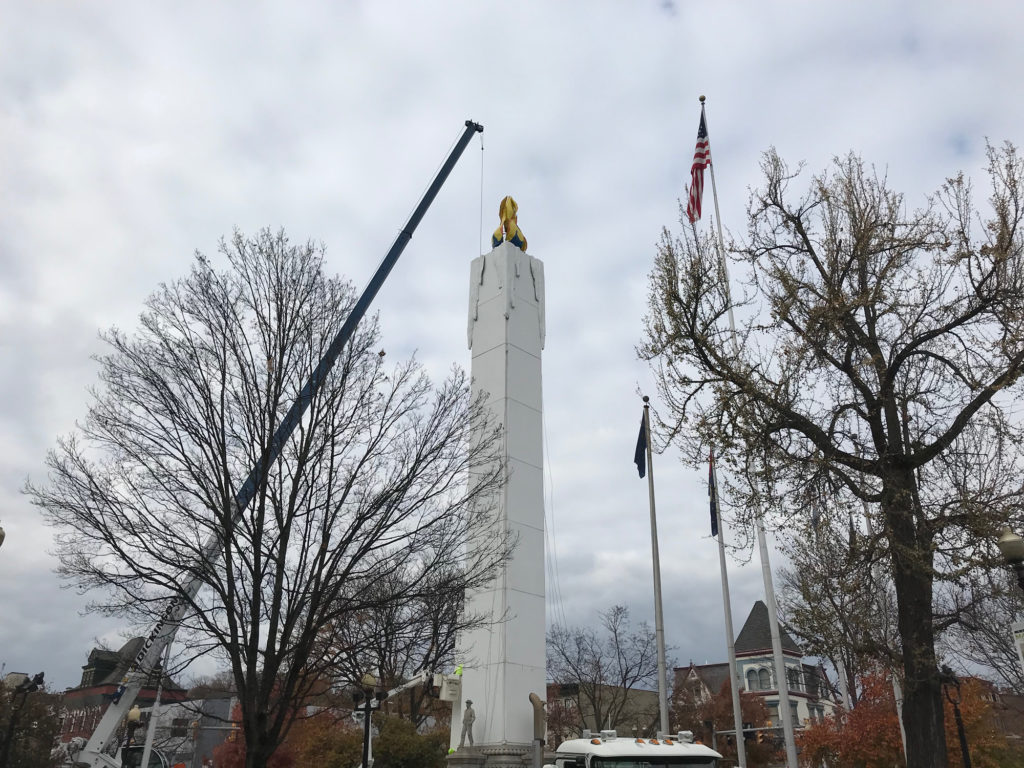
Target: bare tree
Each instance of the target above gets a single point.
(983, 637)
(601, 672)
(367, 507)
(399, 639)
(878, 355)
(835, 601)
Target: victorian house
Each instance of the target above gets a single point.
(811, 697)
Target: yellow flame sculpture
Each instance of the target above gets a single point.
(509, 229)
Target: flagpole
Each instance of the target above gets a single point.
(659, 621)
(721, 240)
(737, 713)
(766, 571)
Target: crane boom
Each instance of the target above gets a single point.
(94, 752)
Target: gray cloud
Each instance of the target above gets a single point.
(133, 136)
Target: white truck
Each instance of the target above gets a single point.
(608, 750)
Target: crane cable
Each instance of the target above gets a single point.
(480, 237)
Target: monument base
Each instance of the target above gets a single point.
(492, 756)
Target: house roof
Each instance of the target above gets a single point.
(714, 676)
(110, 666)
(756, 634)
(711, 676)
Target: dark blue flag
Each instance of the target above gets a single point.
(640, 455)
(713, 493)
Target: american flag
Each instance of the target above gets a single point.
(701, 160)
(712, 485)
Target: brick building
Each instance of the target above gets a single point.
(84, 705)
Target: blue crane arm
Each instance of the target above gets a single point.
(93, 754)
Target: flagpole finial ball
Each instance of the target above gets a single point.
(646, 399)
(702, 98)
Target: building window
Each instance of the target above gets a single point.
(764, 679)
(752, 680)
(793, 678)
(179, 727)
(812, 685)
(773, 712)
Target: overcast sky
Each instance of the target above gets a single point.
(132, 135)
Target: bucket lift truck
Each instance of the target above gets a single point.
(95, 754)
(367, 701)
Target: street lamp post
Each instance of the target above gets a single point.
(1012, 548)
(133, 721)
(368, 698)
(21, 692)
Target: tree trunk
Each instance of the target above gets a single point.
(912, 576)
(257, 755)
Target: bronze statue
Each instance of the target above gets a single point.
(467, 722)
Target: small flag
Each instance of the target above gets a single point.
(640, 455)
(713, 493)
(701, 160)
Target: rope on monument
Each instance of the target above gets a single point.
(490, 694)
(551, 548)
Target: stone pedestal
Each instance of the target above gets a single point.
(504, 662)
(492, 757)
(467, 757)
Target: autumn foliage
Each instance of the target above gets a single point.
(694, 713)
(868, 736)
(231, 753)
(326, 740)
(331, 740)
(988, 747)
